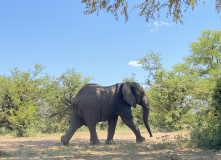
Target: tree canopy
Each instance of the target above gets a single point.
(147, 8)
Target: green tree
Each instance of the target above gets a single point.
(187, 89)
(169, 93)
(206, 134)
(27, 98)
(205, 58)
(148, 8)
(153, 65)
(60, 93)
(206, 53)
(130, 79)
(217, 99)
(20, 95)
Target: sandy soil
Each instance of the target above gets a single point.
(170, 145)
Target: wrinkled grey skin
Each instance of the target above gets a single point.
(95, 103)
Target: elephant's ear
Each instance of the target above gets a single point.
(128, 95)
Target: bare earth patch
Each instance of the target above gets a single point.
(163, 146)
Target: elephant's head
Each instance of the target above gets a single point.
(133, 93)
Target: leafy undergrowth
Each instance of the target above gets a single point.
(163, 146)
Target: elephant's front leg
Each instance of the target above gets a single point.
(127, 117)
(111, 129)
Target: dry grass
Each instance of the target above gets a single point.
(163, 146)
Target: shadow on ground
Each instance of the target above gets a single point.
(121, 150)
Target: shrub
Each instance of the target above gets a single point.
(207, 137)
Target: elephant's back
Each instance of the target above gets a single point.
(98, 92)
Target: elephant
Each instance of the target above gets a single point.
(94, 103)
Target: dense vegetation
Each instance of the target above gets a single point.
(26, 99)
(188, 97)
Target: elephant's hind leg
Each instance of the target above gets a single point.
(94, 138)
(75, 124)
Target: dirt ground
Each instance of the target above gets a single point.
(163, 146)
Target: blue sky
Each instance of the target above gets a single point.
(57, 35)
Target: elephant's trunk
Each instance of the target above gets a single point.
(145, 119)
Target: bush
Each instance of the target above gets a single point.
(208, 137)
(207, 134)
(4, 131)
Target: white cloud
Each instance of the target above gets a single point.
(134, 63)
(166, 24)
(157, 26)
(155, 29)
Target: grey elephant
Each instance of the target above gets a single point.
(95, 103)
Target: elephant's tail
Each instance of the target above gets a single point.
(54, 114)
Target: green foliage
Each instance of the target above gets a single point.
(207, 137)
(185, 96)
(103, 125)
(217, 99)
(148, 9)
(138, 115)
(20, 94)
(206, 52)
(205, 59)
(169, 93)
(130, 79)
(208, 130)
(26, 99)
(61, 91)
(152, 64)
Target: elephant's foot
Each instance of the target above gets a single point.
(109, 142)
(140, 140)
(64, 140)
(97, 142)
